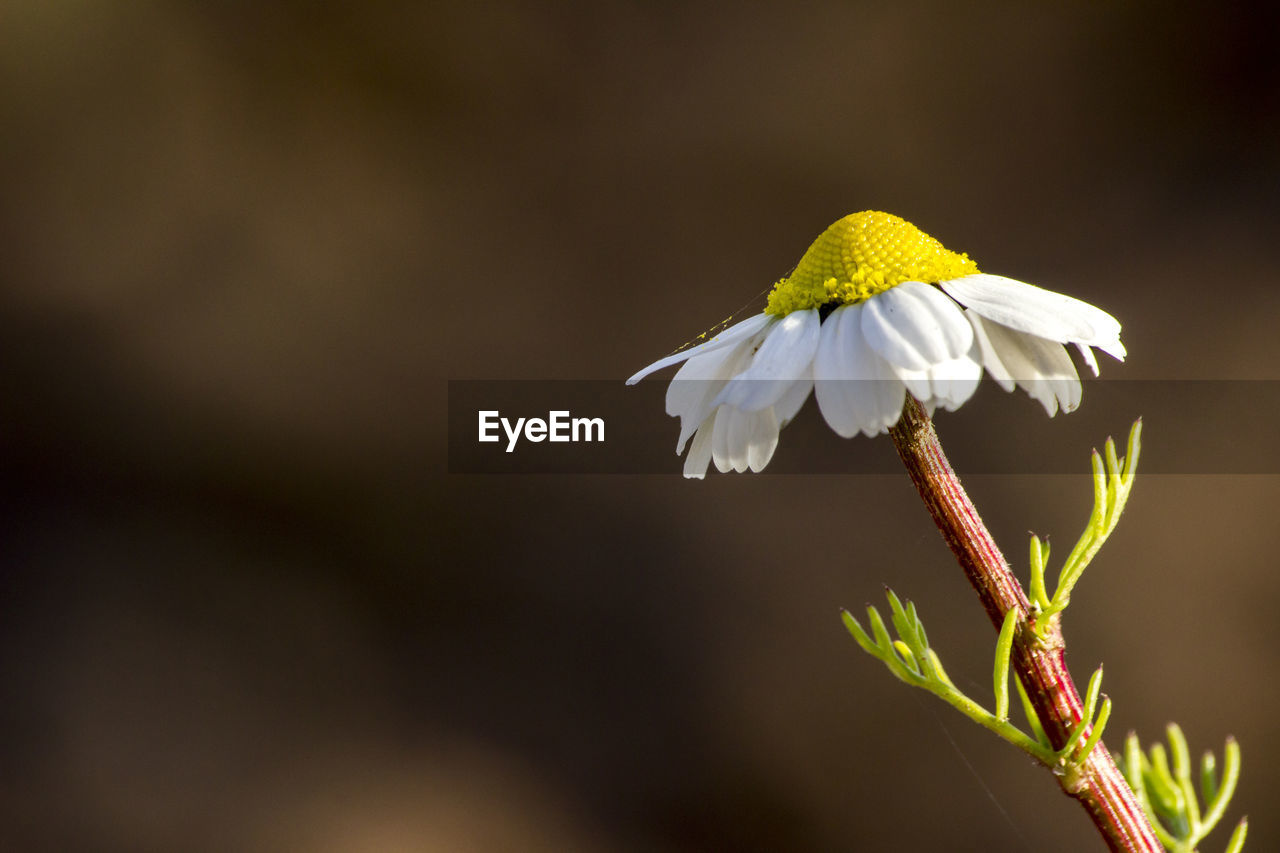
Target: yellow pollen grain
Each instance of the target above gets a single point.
(861, 255)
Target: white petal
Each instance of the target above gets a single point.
(787, 406)
(1041, 367)
(691, 380)
(762, 439)
(720, 440)
(736, 332)
(955, 333)
(782, 360)
(917, 382)
(739, 437)
(1087, 354)
(833, 388)
(1115, 349)
(699, 380)
(735, 441)
(990, 358)
(1034, 310)
(731, 439)
(1065, 379)
(953, 382)
(880, 393)
(913, 325)
(695, 464)
(856, 390)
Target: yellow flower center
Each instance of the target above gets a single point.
(861, 255)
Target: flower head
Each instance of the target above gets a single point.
(875, 309)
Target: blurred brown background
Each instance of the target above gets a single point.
(245, 245)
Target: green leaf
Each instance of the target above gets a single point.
(1131, 453)
(1133, 765)
(1077, 734)
(910, 659)
(907, 657)
(1236, 844)
(917, 626)
(939, 673)
(1160, 782)
(1181, 755)
(1029, 710)
(1208, 777)
(1091, 695)
(1004, 650)
(1099, 725)
(1217, 805)
(904, 624)
(1112, 481)
(1038, 560)
(855, 628)
(881, 633)
(1182, 773)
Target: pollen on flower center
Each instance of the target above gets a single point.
(861, 255)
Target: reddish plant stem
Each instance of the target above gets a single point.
(1039, 661)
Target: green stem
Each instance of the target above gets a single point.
(1039, 662)
(984, 718)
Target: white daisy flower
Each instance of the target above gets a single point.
(875, 300)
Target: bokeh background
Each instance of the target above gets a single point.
(245, 246)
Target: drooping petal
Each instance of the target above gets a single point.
(856, 390)
(881, 393)
(832, 389)
(734, 439)
(736, 332)
(1036, 311)
(782, 360)
(953, 382)
(790, 402)
(695, 464)
(956, 335)
(1061, 374)
(990, 358)
(1039, 366)
(917, 384)
(720, 439)
(739, 436)
(1086, 352)
(699, 380)
(762, 439)
(689, 384)
(913, 325)
(731, 439)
